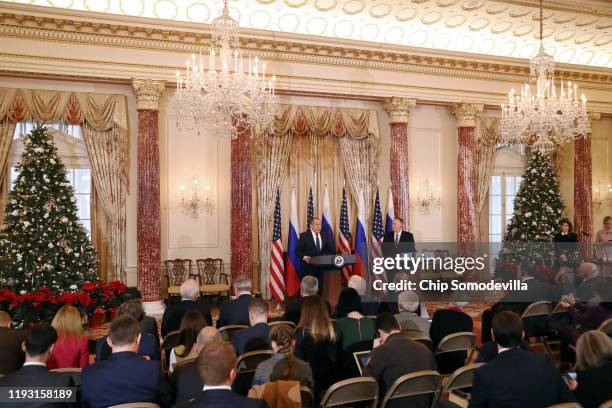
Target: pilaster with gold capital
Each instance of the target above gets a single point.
(399, 113)
(148, 93)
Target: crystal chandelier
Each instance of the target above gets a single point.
(194, 205)
(226, 91)
(544, 117)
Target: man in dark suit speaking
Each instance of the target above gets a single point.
(313, 243)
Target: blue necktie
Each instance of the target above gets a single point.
(318, 242)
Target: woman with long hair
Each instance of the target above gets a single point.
(71, 349)
(593, 369)
(318, 342)
(353, 325)
(283, 365)
(191, 324)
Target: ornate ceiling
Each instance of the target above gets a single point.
(576, 32)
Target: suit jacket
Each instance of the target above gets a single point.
(224, 399)
(124, 377)
(518, 378)
(398, 356)
(147, 347)
(36, 376)
(186, 382)
(443, 323)
(149, 325)
(251, 338)
(235, 311)
(171, 320)
(11, 357)
(306, 247)
(406, 243)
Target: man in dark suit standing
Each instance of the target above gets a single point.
(217, 367)
(190, 292)
(185, 379)
(395, 355)
(34, 373)
(398, 241)
(313, 243)
(236, 311)
(125, 376)
(12, 356)
(517, 378)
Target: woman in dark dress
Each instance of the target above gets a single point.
(318, 343)
(566, 256)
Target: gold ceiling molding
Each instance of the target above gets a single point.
(292, 48)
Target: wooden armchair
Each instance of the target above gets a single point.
(177, 272)
(213, 280)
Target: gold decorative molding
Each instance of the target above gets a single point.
(148, 92)
(594, 116)
(466, 113)
(398, 108)
(132, 32)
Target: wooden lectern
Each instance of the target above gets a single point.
(331, 266)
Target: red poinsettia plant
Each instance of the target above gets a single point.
(42, 304)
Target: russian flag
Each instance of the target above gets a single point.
(326, 221)
(390, 212)
(292, 270)
(361, 243)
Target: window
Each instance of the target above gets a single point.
(72, 151)
(80, 180)
(502, 192)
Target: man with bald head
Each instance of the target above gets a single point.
(590, 279)
(12, 356)
(190, 292)
(185, 379)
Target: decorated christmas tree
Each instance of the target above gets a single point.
(42, 242)
(538, 208)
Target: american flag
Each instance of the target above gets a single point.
(378, 232)
(310, 209)
(345, 235)
(277, 264)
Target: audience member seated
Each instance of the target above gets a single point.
(190, 292)
(217, 367)
(587, 316)
(71, 349)
(593, 385)
(148, 323)
(12, 355)
(589, 280)
(191, 324)
(37, 347)
(185, 379)
(147, 345)
(256, 336)
(516, 301)
(236, 311)
(308, 287)
(318, 342)
(283, 365)
(517, 378)
(125, 376)
(395, 355)
(353, 325)
(489, 351)
(369, 305)
(443, 323)
(408, 304)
